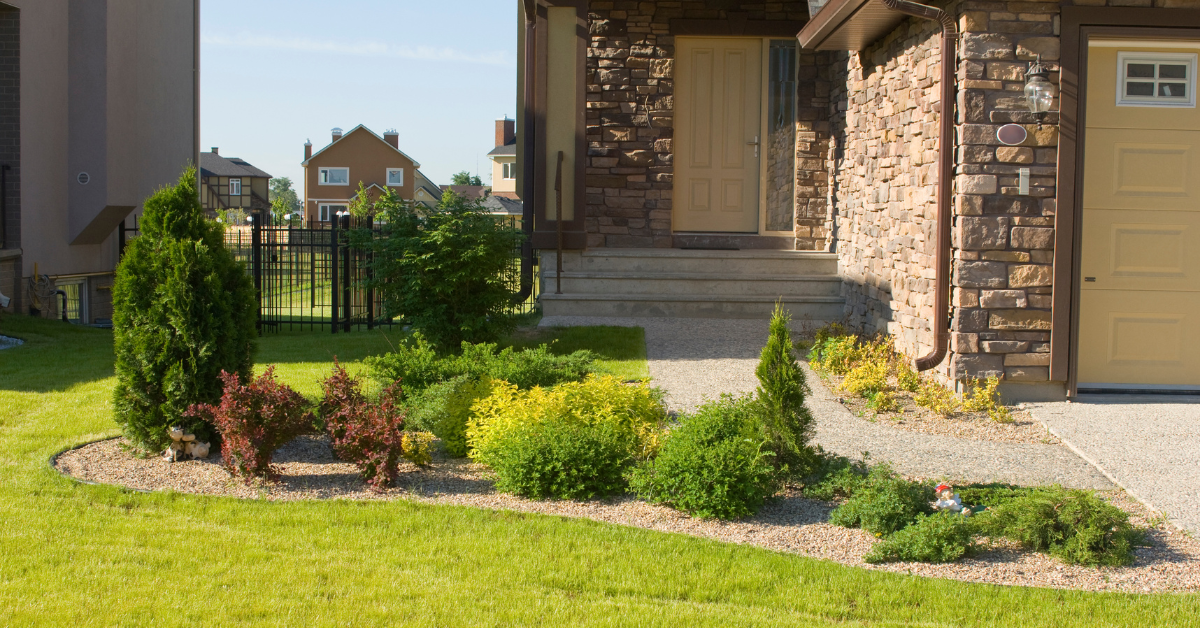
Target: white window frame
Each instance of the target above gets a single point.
(326, 211)
(323, 176)
(1124, 58)
(232, 184)
(387, 176)
(508, 170)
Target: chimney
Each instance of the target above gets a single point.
(392, 136)
(506, 132)
(307, 150)
(215, 151)
(337, 134)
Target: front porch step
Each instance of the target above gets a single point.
(814, 310)
(758, 262)
(696, 284)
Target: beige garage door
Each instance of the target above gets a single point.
(1139, 317)
(718, 91)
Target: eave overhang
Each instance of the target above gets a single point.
(848, 25)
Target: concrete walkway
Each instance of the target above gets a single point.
(1150, 445)
(695, 359)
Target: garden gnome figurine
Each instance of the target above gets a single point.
(947, 498)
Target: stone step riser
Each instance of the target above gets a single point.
(814, 314)
(830, 287)
(758, 266)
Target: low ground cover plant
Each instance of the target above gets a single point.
(884, 503)
(941, 537)
(254, 420)
(369, 433)
(574, 441)
(715, 463)
(1074, 525)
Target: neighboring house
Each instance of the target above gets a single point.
(427, 193)
(504, 206)
(232, 183)
(904, 165)
(504, 159)
(469, 191)
(98, 108)
(332, 174)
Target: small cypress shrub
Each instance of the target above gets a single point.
(788, 425)
(183, 312)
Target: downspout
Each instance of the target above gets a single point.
(527, 135)
(941, 298)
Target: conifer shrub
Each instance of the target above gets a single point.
(254, 420)
(786, 421)
(575, 440)
(444, 268)
(941, 537)
(884, 503)
(183, 313)
(366, 432)
(715, 463)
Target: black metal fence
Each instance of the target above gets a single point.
(310, 277)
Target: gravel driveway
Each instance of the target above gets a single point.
(694, 359)
(1150, 445)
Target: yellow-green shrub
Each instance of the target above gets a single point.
(906, 378)
(936, 398)
(416, 447)
(867, 378)
(985, 397)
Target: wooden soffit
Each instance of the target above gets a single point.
(737, 24)
(848, 25)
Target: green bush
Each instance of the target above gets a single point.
(183, 312)
(444, 408)
(787, 424)
(444, 269)
(418, 365)
(835, 477)
(1074, 525)
(525, 435)
(884, 503)
(713, 464)
(942, 537)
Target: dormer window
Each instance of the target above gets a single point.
(395, 177)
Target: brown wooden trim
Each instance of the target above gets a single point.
(737, 24)
(1079, 23)
(572, 240)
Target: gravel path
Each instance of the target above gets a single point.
(694, 359)
(1150, 445)
(1169, 562)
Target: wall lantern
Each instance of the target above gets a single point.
(1039, 91)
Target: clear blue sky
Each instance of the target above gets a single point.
(277, 72)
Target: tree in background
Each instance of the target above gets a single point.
(183, 311)
(442, 269)
(281, 190)
(465, 178)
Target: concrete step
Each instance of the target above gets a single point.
(696, 284)
(816, 310)
(762, 262)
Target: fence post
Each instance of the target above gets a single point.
(347, 302)
(256, 262)
(333, 275)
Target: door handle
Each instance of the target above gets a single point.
(754, 144)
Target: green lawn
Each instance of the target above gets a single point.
(78, 555)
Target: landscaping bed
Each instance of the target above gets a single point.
(1169, 560)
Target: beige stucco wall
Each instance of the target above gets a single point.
(142, 137)
(499, 183)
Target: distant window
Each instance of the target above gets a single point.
(1156, 79)
(235, 187)
(395, 176)
(325, 213)
(510, 170)
(333, 176)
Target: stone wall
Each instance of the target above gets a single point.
(630, 63)
(884, 110)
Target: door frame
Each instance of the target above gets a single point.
(763, 122)
(1078, 24)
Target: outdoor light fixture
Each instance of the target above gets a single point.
(1039, 91)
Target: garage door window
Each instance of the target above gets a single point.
(1156, 79)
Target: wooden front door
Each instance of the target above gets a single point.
(718, 92)
(1139, 315)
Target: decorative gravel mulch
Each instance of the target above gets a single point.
(968, 425)
(790, 523)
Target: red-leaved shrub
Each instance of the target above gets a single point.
(371, 435)
(254, 420)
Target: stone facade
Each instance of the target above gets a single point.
(630, 116)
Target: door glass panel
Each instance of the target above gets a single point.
(781, 136)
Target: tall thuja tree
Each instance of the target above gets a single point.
(183, 311)
(781, 391)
